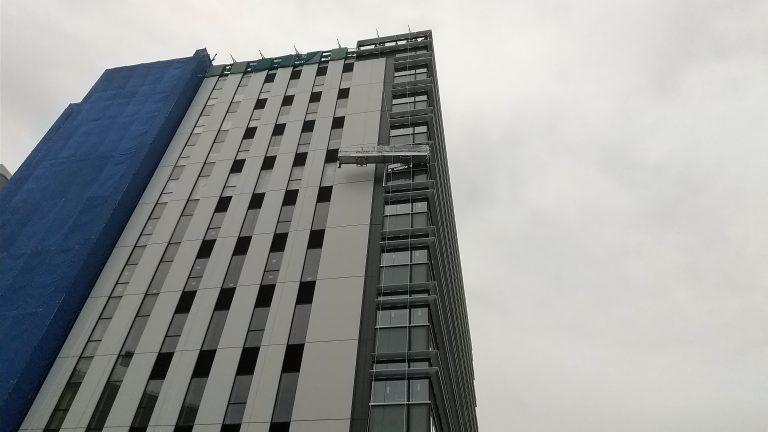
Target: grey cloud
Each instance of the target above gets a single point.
(608, 163)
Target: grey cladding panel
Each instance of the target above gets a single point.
(350, 204)
(326, 381)
(344, 252)
(336, 309)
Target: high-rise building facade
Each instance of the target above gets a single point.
(278, 252)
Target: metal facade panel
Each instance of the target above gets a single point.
(326, 380)
(344, 252)
(336, 310)
(350, 204)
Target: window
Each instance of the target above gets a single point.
(306, 136)
(61, 409)
(202, 180)
(239, 394)
(293, 81)
(234, 177)
(198, 267)
(245, 80)
(262, 183)
(196, 388)
(313, 106)
(320, 218)
(276, 139)
(219, 213)
(341, 102)
(97, 334)
(207, 169)
(402, 174)
(406, 215)
(246, 143)
(233, 107)
(268, 82)
(419, 339)
(161, 273)
(400, 418)
(108, 395)
(184, 220)
(208, 108)
(127, 274)
(388, 418)
(410, 101)
(149, 227)
(186, 153)
(322, 71)
(218, 318)
(236, 263)
(337, 129)
(249, 133)
(300, 322)
(258, 109)
(411, 73)
(170, 186)
(394, 339)
(346, 74)
(286, 211)
(409, 134)
(392, 317)
(252, 214)
(395, 273)
(221, 136)
(274, 259)
(176, 326)
(312, 259)
(395, 317)
(137, 328)
(329, 169)
(297, 170)
(110, 307)
(193, 139)
(391, 391)
(151, 391)
(220, 83)
(285, 109)
(260, 314)
(286, 389)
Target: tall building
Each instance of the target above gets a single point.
(266, 246)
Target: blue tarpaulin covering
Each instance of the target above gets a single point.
(63, 211)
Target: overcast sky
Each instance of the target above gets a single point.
(609, 163)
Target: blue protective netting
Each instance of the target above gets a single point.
(65, 208)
